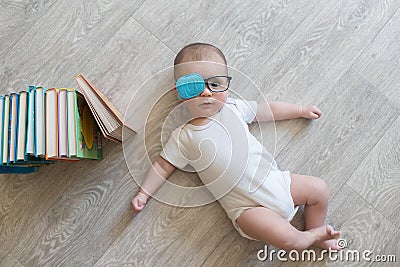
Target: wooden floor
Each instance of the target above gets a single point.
(343, 56)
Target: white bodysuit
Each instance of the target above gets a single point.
(231, 162)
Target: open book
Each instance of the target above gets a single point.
(106, 115)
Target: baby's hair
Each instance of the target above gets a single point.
(198, 52)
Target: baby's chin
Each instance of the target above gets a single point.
(205, 112)
(203, 115)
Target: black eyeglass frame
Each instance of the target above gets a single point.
(214, 91)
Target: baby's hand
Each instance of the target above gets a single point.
(311, 112)
(139, 201)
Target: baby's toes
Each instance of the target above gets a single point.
(332, 232)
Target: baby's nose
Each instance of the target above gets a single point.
(206, 92)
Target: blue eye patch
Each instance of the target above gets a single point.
(190, 85)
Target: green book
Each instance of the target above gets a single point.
(88, 135)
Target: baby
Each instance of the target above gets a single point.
(263, 213)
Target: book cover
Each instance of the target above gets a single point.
(88, 136)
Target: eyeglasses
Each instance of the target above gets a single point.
(219, 83)
(193, 84)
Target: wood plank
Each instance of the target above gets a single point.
(377, 177)
(307, 66)
(124, 64)
(204, 234)
(331, 32)
(361, 225)
(323, 47)
(93, 209)
(335, 145)
(17, 18)
(26, 199)
(380, 64)
(235, 250)
(54, 50)
(246, 32)
(10, 261)
(21, 195)
(392, 248)
(174, 235)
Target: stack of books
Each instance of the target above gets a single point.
(40, 126)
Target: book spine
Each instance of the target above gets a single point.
(35, 124)
(16, 127)
(51, 123)
(1, 128)
(78, 125)
(30, 132)
(10, 157)
(9, 131)
(5, 128)
(62, 123)
(71, 123)
(40, 111)
(22, 116)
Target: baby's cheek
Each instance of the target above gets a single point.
(222, 98)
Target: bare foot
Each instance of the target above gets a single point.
(332, 232)
(328, 244)
(326, 237)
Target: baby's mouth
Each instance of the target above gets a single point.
(207, 103)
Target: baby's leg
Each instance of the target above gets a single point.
(312, 192)
(264, 224)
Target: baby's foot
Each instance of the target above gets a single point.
(328, 244)
(326, 237)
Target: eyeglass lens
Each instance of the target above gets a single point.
(218, 83)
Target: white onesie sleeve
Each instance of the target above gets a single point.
(247, 109)
(172, 151)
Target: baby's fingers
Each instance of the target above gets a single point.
(313, 112)
(314, 115)
(137, 204)
(317, 111)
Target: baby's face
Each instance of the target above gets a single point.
(207, 103)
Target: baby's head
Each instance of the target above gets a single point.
(201, 75)
(198, 52)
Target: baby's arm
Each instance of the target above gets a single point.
(285, 111)
(155, 178)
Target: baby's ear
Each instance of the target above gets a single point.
(176, 92)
